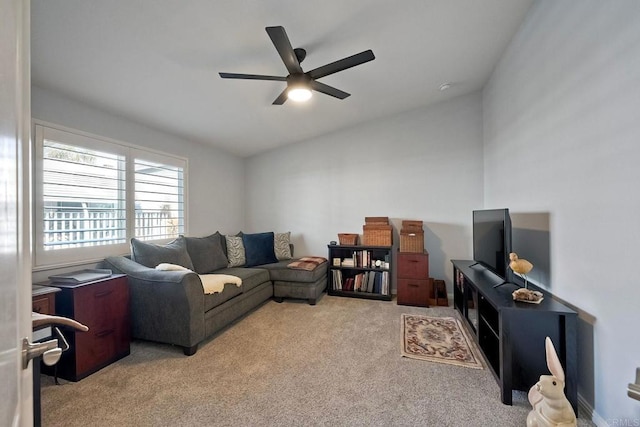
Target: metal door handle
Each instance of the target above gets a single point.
(49, 351)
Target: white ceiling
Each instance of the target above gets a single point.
(156, 62)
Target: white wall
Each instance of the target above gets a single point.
(424, 164)
(215, 178)
(562, 137)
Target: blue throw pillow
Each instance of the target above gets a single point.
(258, 248)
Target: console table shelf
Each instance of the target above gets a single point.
(511, 334)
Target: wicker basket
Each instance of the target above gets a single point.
(348, 239)
(371, 220)
(411, 241)
(376, 235)
(410, 225)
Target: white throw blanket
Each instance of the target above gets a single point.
(211, 283)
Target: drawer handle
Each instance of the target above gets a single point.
(102, 294)
(414, 285)
(104, 333)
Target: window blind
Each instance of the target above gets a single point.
(84, 197)
(159, 200)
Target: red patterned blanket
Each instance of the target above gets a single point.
(307, 263)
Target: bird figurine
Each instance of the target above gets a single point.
(520, 266)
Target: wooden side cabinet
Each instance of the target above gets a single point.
(102, 305)
(414, 286)
(43, 299)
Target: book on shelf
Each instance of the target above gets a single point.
(373, 282)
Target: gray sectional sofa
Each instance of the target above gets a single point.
(171, 306)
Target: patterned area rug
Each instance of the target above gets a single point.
(438, 339)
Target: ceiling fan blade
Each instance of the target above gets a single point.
(342, 64)
(281, 98)
(251, 77)
(280, 40)
(328, 90)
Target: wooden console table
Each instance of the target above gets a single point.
(511, 334)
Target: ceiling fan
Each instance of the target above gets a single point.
(299, 83)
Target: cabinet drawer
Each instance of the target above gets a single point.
(100, 305)
(413, 292)
(413, 266)
(98, 347)
(43, 304)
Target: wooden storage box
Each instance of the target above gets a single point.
(438, 293)
(377, 235)
(348, 239)
(411, 241)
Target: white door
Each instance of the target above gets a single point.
(16, 402)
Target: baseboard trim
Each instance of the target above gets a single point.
(585, 410)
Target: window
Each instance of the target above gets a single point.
(83, 195)
(92, 195)
(159, 205)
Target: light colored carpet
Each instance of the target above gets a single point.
(289, 364)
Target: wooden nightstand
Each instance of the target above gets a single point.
(102, 305)
(414, 286)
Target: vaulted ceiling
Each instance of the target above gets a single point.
(156, 62)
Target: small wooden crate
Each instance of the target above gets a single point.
(348, 239)
(411, 241)
(377, 235)
(438, 293)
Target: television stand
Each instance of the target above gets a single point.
(502, 283)
(511, 334)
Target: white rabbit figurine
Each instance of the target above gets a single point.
(550, 405)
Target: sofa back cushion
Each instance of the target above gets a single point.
(206, 253)
(258, 248)
(150, 255)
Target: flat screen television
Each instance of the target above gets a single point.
(492, 240)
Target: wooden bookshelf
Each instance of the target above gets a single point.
(360, 271)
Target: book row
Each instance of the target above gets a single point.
(363, 259)
(376, 282)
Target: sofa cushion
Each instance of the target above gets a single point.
(214, 300)
(150, 254)
(258, 248)
(235, 251)
(206, 253)
(251, 277)
(282, 245)
(280, 272)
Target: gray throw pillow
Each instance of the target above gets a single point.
(235, 251)
(150, 255)
(281, 245)
(206, 253)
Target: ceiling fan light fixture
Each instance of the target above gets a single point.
(299, 93)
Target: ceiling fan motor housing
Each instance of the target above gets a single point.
(296, 80)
